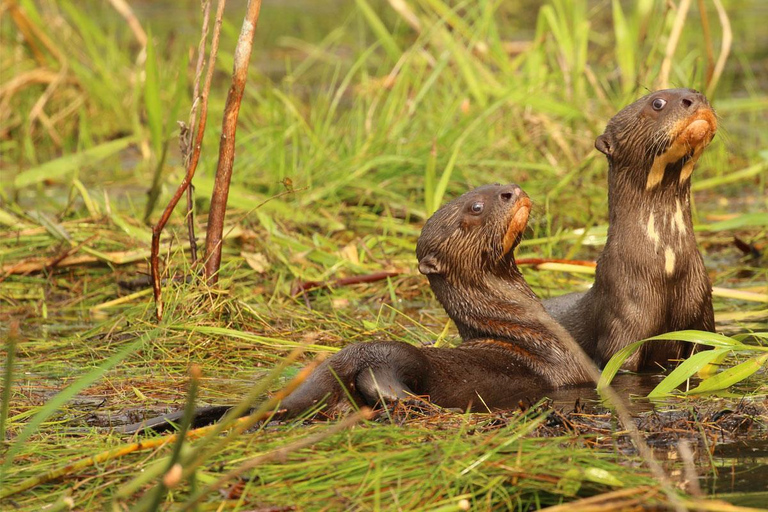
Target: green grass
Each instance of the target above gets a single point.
(376, 125)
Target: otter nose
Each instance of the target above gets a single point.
(692, 99)
(510, 193)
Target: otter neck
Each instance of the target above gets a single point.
(658, 217)
(496, 310)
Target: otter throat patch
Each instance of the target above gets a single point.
(672, 155)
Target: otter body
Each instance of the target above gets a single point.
(512, 348)
(650, 278)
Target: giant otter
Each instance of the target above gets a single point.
(650, 277)
(512, 348)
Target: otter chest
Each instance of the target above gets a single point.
(668, 237)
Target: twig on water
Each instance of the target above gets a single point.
(194, 159)
(305, 286)
(215, 229)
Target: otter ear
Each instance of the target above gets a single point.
(603, 144)
(429, 265)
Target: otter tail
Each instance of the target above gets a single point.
(201, 417)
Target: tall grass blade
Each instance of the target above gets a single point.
(377, 26)
(625, 48)
(731, 177)
(5, 399)
(152, 105)
(747, 220)
(60, 167)
(711, 339)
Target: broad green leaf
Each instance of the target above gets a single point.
(747, 335)
(713, 367)
(614, 365)
(686, 370)
(711, 339)
(62, 166)
(731, 376)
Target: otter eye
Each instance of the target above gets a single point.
(477, 208)
(658, 104)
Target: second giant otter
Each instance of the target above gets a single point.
(650, 278)
(512, 348)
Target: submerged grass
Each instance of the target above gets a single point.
(366, 120)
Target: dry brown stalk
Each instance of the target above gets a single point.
(215, 229)
(304, 286)
(33, 35)
(674, 39)
(539, 261)
(122, 7)
(154, 259)
(725, 47)
(25, 27)
(707, 40)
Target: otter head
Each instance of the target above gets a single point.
(474, 235)
(661, 134)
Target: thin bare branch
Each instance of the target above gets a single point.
(215, 230)
(186, 141)
(191, 166)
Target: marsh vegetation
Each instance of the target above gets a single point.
(359, 119)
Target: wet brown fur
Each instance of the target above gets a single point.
(512, 349)
(650, 277)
